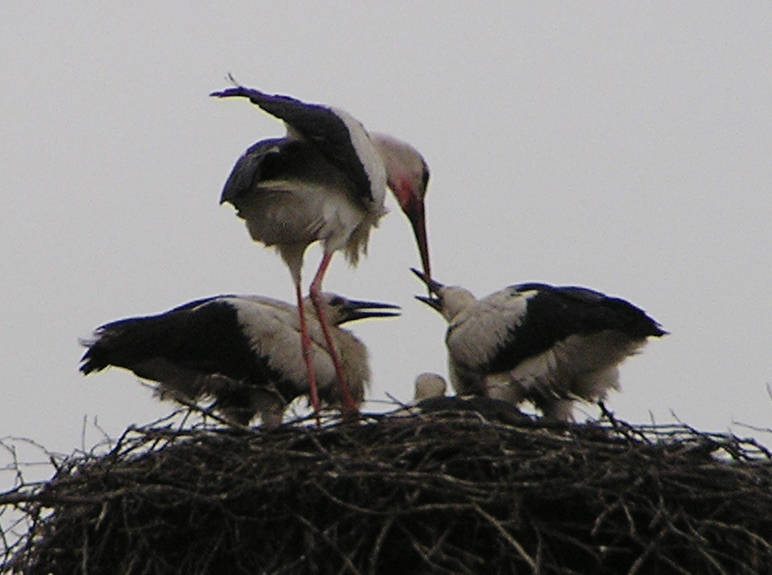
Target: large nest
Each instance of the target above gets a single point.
(438, 493)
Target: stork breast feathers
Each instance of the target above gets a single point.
(477, 334)
(274, 332)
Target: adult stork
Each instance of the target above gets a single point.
(324, 181)
(240, 351)
(545, 344)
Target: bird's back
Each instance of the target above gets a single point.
(231, 348)
(198, 338)
(545, 344)
(550, 314)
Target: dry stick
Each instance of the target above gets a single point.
(379, 542)
(84, 552)
(504, 533)
(673, 564)
(539, 545)
(712, 560)
(648, 551)
(458, 556)
(312, 434)
(208, 412)
(329, 542)
(703, 544)
(437, 547)
(752, 536)
(435, 550)
(607, 511)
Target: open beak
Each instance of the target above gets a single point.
(433, 285)
(433, 300)
(353, 310)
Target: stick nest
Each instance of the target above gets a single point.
(437, 493)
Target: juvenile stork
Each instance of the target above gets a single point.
(539, 343)
(430, 398)
(240, 351)
(324, 181)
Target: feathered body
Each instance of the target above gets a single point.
(278, 212)
(324, 181)
(540, 343)
(241, 351)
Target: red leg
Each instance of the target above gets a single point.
(305, 345)
(348, 404)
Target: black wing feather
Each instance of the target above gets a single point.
(261, 161)
(555, 313)
(203, 335)
(318, 124)
(275, 159)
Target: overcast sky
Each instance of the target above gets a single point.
(624, 147)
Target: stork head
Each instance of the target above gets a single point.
(408, 178)
(448, 300)
(339, 310)
(429, 385)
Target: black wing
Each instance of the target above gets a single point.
(260, 162)
(275, 159)
(203, 336)
(318, 124)
(556, 313)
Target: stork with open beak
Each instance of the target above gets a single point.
(324, 181)
(240, 351)
(540, 343)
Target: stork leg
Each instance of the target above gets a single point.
(348, 404)
(305, 345)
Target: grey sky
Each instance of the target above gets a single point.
(623, 147)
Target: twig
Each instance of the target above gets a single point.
(511, 540)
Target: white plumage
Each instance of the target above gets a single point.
(429, 385)
(325, 181)
(240, 351)
(539, 343)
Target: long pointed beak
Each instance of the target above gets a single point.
(434, 300)
(417, 217)
(354, 310)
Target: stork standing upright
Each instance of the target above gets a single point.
(325, 181)
(240, 351)
(536, 342)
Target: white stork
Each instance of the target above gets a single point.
(240, 351)
(325, 181)
(539, 343)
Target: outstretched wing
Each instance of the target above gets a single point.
(337, 135)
